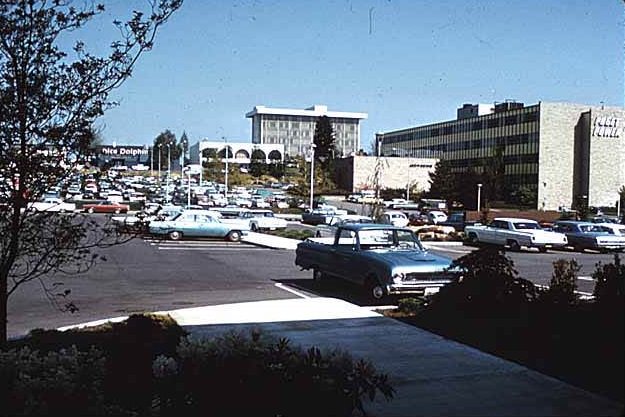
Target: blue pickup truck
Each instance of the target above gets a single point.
(383, 259)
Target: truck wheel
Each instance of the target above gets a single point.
(175, 235)
(234, 236)
(374, 289)
(514, 245)
(319, 277)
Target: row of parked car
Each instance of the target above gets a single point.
(517, 233)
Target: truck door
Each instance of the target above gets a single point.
(343, 252)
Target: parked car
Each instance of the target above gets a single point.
(329, 229)
(457, 221)
(53, 204)
(437, 216)
(394, 217)
(263, 220)
(613, 228)
(197, 223)
(320, 216)
(106, 207)
(515, 233)
(383, 259)
(587, 235)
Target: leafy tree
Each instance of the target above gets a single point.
(165, 146)
(323, 139)
(49, 101)
(493, 172)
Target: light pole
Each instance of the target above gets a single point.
(160, 145)
(226, 176)
(189, 187)
(152, 160)
(168, 169)
(312, 173)
(479, 196)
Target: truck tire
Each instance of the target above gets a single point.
(374, 289)
(514, 245)
(319, 277)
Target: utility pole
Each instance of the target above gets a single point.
(226, 176)
(312, 174)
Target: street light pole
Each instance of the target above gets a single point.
(201, 166)
(226, 155)
(312, 174)
(159, 164)
(152, 160)
(479, 196)
(168, 169)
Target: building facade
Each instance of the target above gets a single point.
(240, 152)
(563, 152)
(294, 128)
(357, 173)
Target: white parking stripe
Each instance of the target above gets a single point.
(586, 278)
(211, 249)
(291, 290)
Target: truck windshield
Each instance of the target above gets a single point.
(388, 238)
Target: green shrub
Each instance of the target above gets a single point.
(299, 234)
(489, 285)
(267, 377)
(411, 305)
(610, 282)
(64, 383)
(563, 283)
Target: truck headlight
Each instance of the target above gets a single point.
(398, 277)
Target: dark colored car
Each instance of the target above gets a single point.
(587, 235)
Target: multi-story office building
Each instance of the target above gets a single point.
(295, 128)
(561, 151)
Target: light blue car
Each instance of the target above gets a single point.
(198, 223)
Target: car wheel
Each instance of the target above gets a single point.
(374, 289)
(117, 211)
(542, 249)
(514, 245)
(473, 239)
(254, 227)
(318, 234)
(62, 211)
(91, 210)
(234, 236)
(578, 248)
(175, 235)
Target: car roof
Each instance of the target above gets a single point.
(578, 222)
(514, 219)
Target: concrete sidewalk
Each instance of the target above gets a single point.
(432, 376)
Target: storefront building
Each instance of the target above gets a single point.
(563, 152)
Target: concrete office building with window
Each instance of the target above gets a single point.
(295, 128)
(563, 152)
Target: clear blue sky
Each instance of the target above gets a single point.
(405, 63)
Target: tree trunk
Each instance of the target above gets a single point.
(3, 309)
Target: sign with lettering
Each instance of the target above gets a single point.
(123, 151)
(606, 127)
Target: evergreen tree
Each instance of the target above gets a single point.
(324, 140)
(257, 163)
(161, 143)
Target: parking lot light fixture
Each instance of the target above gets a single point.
(312, 174)
(479, 196)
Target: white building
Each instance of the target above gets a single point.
(241, 152)
(295, 128)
